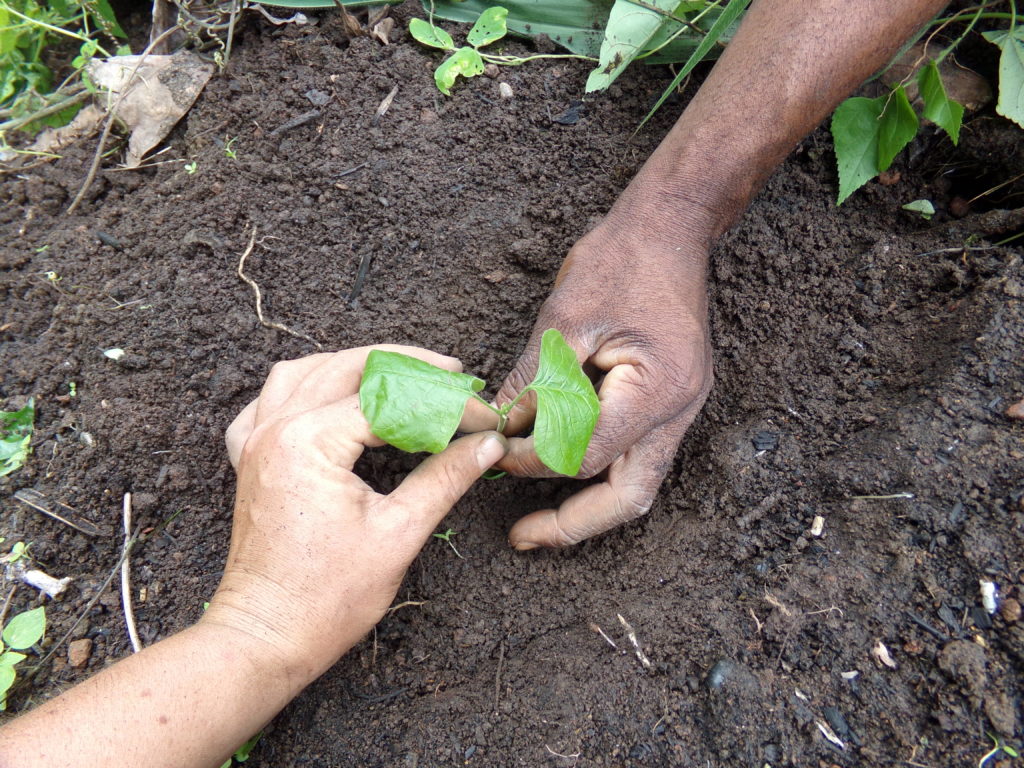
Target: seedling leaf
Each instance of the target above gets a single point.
(897, 127)
(567, 406)
(938, 107)
(1011, 72)
(466, 62)
(428, 34)
(413, 405)
(10, 658)
(25, 629)
(923, 207)
(15, 436)
(7, 676)
(489, 28)
(855, 134)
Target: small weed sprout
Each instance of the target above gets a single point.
(998, 747)
(229, 150)
(446, 537)
(16, 437)
(192, 167)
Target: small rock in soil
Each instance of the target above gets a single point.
(964, 662)
(766, 441)
(1016, 411)
(1010, 610)
(999, 708)
(505, 91)
(79, 652)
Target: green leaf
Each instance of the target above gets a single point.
(15, 437)
(25, 629)
(428, 34)
(466, 62)
(411, 404)
(897, 126)
(227, 763)
(489, 28)
(717, 31)
(855, 126)
(242, 753)
(1011, 72)
(628, 32)
(567, 406)
(938, 107)
(7, 676)
(10, 658)
(923, 207)
(101, 11)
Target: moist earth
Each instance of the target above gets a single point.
(865, 360)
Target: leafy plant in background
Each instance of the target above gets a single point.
(658, 31)
(416, 406)
(22, 632)
(870, 133)
(16, 437)
(28, 97)
(468, 60)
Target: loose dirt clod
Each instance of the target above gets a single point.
(79, 652)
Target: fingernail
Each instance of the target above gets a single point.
(524, 546)
(490, 450)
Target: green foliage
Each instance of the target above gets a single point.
(416, 406)
(15, 437)
(27, 30)
(1011, 71)
(922, 207)
(938, 107)
(465, 61)
(897, 126)
(22, 632)
(242, 753)
(446, 537)
(489, 28)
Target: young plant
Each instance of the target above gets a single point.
(229, 150)
(416, 406)
(22, 632)
(16, 437)
(446, 537)
(242, 753)
(998, 747)
(468, 60)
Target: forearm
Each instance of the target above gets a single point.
(789, 65)
(189, 700)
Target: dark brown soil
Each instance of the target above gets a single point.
(878, 350)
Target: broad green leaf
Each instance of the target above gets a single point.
(15, 437)
(567, 406)
(897, 126)
(628, 32)
(430, 35)
(1011, 73)
(7, 676)
(25, 629)
(722, 24)
(227, 763)
(466, 62)
(855, 126)
(923, 207)
(489, 28)
(10, 658)
(938, 107)
(103, 14)
(411, 404)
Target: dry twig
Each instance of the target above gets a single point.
(631, 634)
(126, 587)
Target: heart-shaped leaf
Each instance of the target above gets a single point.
(466, 62)
(25, 629)
(489, 28)
(428, 34)
(411, 404)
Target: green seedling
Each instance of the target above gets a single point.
(16, 437)
(468, 60)
(22, 632)
(18, 552)
(998, 747)
(416, 406)
(922, 207)
(446, 537)
(228, 151)
(192, 167)
(242, 753)
(72, 389)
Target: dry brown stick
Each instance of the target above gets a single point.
(7, 603)
(126, 587)
(98, 156)
(259, 298)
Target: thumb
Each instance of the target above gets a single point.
(431, 490)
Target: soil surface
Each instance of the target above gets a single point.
(865, 360)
